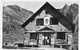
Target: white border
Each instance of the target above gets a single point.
(46, 0)
(1, 3)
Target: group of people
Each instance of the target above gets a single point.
(45, 40)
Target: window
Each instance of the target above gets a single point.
(60, 35)
(53, 21)
(33, 36)
(39, 22)
(46, 21)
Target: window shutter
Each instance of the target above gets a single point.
(53, 21)
(33, 36)
(40, 22)
(60, 35)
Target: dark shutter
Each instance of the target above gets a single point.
(53, 21)
(39, 22)
(60, 35)
(33, 36)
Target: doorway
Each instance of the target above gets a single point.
(46, 40)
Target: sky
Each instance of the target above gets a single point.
(35, 5)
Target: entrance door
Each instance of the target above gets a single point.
(46, 40)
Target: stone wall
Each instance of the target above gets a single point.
(53, 38)
(40, 39)
(27, 38)
(28, 41)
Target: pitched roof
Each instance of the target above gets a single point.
(46, 28)
(50, 9)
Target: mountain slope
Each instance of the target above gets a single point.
(70, 11)
(13, 17)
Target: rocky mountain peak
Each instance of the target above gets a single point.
(66, 7)
(70, 12)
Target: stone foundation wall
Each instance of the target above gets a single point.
(40, 39)
(53, 38)
(27, 38)
(29, 41)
